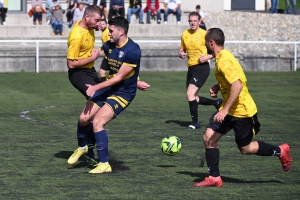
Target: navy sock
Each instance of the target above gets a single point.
(212, 160)
(265, 149)
(102, 145)
(91, 141)
(82, 133)
(194, 110)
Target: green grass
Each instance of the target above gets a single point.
(34, 150)
(282, 4)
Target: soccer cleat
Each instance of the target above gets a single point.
(101, 169)
(284, 157)
(219, 101)
(210, 182)
(76, 155)
(91, 160)
(194, 125)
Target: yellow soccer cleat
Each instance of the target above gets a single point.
(101, 169)
(76, 155)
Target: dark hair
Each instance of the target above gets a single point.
(91, 10)
(103, 20)
(217, 35)
(194, 13)
(198, 7)
(120, 22)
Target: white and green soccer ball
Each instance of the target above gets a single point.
(171, 145)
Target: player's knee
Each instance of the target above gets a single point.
(84, 120)
(244, 150)
(209, 141)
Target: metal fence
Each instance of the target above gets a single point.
(37, 42)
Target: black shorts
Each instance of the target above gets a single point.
(244, 129)
(104, 64)
(80, 77)
(197, 74)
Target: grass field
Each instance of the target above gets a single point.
(38, 133)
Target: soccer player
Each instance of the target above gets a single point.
(238, 112)
(104, 38)
(193, 47)
(111, 97)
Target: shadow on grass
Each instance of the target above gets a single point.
(166, 166)
(201, 176)
(180, 123)
(115, 164)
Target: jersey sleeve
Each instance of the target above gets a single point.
(132, 58)
(182, 45)
(74, 49)
(230, 71)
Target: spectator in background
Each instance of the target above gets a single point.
(135, 7)
(172, 6)
(274, 6)
(294, 5)
(57, 20)
(37, 6)
(116, 8)
(78, 13)
(86, 3)
(202, 15)
(104, 38)
(3, 11)
(72, 5)
(49, 6)
(103, 8)
(152, 8)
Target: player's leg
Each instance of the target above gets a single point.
(83, 128)
(191, 92)
(245, 130)
(214, 131)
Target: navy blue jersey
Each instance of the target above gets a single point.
(129, 54)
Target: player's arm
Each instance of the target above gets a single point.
(203, 58)
(123, 72)
(73, 63)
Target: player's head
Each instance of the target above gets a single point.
(118, 27)
(198, 7)
(103, 24)
(214, 38)
(194, 20)
(92, 17)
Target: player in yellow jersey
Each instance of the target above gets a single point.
(238, 112)
(104, 38)
(193, 47)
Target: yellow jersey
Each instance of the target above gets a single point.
(227, 71)
(81, 42)
(104, 36)
(194, 44)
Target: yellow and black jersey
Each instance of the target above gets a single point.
(194, 44)
(227, 71)
(104, 36)
(81, 42)
(129, 55)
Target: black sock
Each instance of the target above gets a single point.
(265, 149)
(212, 160)
(194, 110)
(207, 101)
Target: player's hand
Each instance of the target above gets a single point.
(182, 54)
(142, 85)
(95, 53)
(213, 91)
(91, 90)
(203, 58)
(219, 117)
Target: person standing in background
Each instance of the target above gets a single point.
(294, 6)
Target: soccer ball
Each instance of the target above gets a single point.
(171, 145)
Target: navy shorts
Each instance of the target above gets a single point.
(244, 129)
(197, 74)
(117, 102)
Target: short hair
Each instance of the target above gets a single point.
(92, 10)
(120, 22)
(194, 13)
(198, 7)
(217, 35)
(103, 20)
